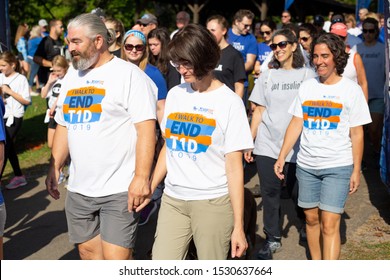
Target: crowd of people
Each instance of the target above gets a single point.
(175, 117)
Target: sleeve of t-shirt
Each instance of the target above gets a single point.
(252, 48)
(296, 107)
(161, 84)
(25, 89)
(239, 68)
(237, 135)
(359, 113)
(142, 98)
(258, 93)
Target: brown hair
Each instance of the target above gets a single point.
(10, 58)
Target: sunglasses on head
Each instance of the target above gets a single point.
(304, 39)
(265, 32)
(372, 31)
(337, 20)
(282, 45)
(130, 47)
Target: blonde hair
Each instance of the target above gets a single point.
(60, 61)
(350, 18)
(35, 31)
(21, 32)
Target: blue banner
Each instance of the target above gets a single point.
(287, 4)
(385, 151)
(381, 7)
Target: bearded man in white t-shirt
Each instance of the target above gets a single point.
(106, 123)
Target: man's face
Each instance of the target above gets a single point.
(286, 18)
(59, 28)
(244, 26)
(82, 49)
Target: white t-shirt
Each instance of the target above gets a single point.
(276, 90)
(99, 107)
(350, 68)
(200, 129)
(328, 112)
(19, 84)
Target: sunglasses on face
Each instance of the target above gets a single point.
(282, 45)
(130, 47)
(304, 39)
(262, 33)
(246, 26)
(372, 31)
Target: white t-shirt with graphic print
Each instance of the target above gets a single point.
(328, 112)
(200, 129)
(99, 107)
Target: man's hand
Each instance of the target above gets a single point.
(139, 190)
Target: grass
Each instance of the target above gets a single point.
(366, 251)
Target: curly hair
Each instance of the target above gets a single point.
(336, 46)
(298, 60)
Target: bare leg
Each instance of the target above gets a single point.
(331, 235)
(1, 248)
(115, 252)
(313, 231)
(91, 249)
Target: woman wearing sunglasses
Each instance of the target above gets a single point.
(267, 28)
(273, 94)
(307, 33)
(135, 51)
(328, 117)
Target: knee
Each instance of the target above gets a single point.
(329, 228)
(312, 219)
(87, 252)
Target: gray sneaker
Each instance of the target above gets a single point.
(269, 248)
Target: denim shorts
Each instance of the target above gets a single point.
(326, 188)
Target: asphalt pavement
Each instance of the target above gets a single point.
(36, 226)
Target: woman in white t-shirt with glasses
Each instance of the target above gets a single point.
(328, 116)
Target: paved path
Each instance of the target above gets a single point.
(36, 227)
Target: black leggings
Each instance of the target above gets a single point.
(10, 152)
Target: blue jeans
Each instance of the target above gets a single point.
(33, 71)
(326, 188)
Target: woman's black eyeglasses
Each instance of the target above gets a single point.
(304, 39)
(130, 47)
(282, 45)
(265, 32)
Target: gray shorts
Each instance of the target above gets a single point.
(108, 216)
(3, 215)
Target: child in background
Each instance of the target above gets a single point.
(51, 90)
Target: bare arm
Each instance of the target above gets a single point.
(361, 75)
(239, 88)
(250, 62)
(42, 62)
(146, 140)
(14, 94)
(255, 122)
(45, 90)
(235, 178)
(60, 153)
(293, 132)
(160, 110)
(357, 138)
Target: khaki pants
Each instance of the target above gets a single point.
(208, 222)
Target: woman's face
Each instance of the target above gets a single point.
(59, 71)
(323, 60)
(218, 31)
(305, 39)
(284, 49)
(154, 46)
(266, 33)
(130, 46)
(6, 68)
(349, 24)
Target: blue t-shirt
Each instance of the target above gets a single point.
(2, 136)
(263, 51)
(245, 44)
(154, 73)
(32, 45)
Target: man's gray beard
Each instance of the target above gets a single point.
(85, 63)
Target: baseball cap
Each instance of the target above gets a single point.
(147, 18)
(99, 12)
(339, 28)
(319, 20)
(42, 22)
